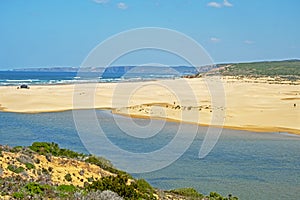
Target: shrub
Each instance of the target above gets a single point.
(37, 161)
(15, 169)
(46, 148)
(144, 188)
(29, 166)
(187, 192)
(68, 177)
(16, 149)
(34, 188)
(18, 195)
(90, 179)
(216, 196)
(118, 184)
(45, 171)
(66, 188)
(99, 161)
(70, 154)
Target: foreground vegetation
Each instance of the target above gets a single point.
(21, 178)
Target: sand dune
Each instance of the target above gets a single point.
(238, 104)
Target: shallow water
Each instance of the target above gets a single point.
(247, 164)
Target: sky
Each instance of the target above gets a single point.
(47, 33)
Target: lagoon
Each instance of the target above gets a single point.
(249, 165)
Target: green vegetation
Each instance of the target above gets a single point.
(287, 69)
(15, 169)
(144, 187)
(116, 187)
(99, 161)
(29, 166)
(21, 189)
(216, 196)
(35, 188)
(18, 195)
(17, 149)
(119, 184)
(46, 148)
(68, 177)
(66, 188)
(188, 192)
(192, 194)
(104, 164)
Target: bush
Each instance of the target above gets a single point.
(29, 166)
(34, 188)
(187, 192)
(15, 169)
(46, 148)
(66, 188)
(16, 149)
(105, 164)
(216, 196)
(99, 161)
(70, 154)
(144, 188)
(116, 184)
(18, 195)
(68, 177)
(45, 171)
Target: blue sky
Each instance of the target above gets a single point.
(43, 33)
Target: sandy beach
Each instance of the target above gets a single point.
(245, 104)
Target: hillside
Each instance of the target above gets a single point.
(45, 171)
(289, 69)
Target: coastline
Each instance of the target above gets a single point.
(249, 104)
(260, 129)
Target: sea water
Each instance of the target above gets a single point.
(15, 78)
(247, 164)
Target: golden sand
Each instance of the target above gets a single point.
(255, 105)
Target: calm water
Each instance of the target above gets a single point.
(247, 164)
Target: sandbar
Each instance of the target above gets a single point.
(242, 104)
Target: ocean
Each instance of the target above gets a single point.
(14, 78)
(247, 164)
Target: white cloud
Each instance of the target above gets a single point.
(225, 3)
(215, 40)
(248, 42)
(214, 4)
(101, 1)
(122, 6)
